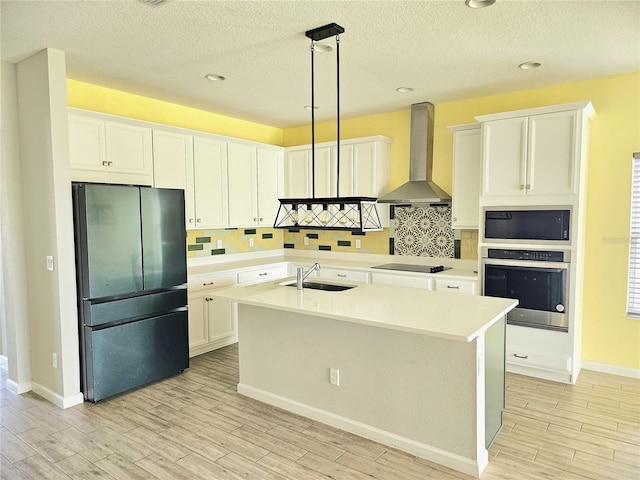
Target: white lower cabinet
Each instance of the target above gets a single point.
(343, 275)
(262, 274)
(456, 286)
(400, 280)
(212, 321)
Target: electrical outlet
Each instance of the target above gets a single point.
(358, 243)
(219, 243)
(251, 242)
(50, 263)
(306, 240)
(334, 376)
(54, 360)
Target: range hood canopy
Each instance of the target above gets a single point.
(420, 187)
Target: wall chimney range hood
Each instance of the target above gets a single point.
(420, 187)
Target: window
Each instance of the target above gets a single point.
(633, 292)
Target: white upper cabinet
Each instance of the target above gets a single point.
(269, 185)
(467, 170)
(297, 174)
(104, 150)
(254, 185)
(209, 180)
(243, 185)
(364, 170)
(172, 155)
(535, 153)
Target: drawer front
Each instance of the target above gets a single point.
(212, 281)
(401, 280)
(538, 360)
(263, 274)
(339, 274)
(456, 286)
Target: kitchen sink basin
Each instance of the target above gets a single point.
(327, 287)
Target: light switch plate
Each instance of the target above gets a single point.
(50, 263)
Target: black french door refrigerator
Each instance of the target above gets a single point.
(131, 273)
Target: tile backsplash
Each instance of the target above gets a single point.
(408, 228)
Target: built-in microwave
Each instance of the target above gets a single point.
(522, 224)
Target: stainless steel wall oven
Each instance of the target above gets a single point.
(538, 279)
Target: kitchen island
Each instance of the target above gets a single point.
(417, 370)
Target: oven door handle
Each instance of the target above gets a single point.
(524, 263)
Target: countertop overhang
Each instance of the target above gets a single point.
(413, 310)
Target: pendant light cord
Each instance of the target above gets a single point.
(338, 112)
(313, 128)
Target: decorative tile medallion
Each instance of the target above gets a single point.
(424, 231)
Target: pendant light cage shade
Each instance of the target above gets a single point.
(358, 214)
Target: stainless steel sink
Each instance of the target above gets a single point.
(327, 287)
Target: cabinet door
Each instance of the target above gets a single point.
(345, 177)
(172, 153)
(364, 170)
(324, 173)
(552, 153)
(210, 183)
(504, 153)
(467, 167)
(220, 318)
(298, 174)
(129, 149)
(243, 188)
(198, 324)
(269, 185)
(86, 143)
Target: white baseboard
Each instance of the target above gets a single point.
(53, 397)
(427, 452)
(18, 388)
(612, 369)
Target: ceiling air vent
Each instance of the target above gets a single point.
(154, 3)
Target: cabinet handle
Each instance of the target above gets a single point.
(207, 284)
(109, 163)
(457, 287)
(255, 219)
(528, 186)
(260, 218)
(521, 356)
(191, 220)
(263, 274)
(198, 221)
(105, 163)
(521, 187)
(343, 275)
(455, 219)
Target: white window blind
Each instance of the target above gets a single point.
(633, 292)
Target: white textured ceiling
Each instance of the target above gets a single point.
(443, 49)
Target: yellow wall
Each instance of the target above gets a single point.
(115, 102)
(609, 336)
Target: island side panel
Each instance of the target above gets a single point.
(413, 386)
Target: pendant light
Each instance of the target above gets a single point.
(357, 214)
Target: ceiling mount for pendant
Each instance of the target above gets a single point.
(357, 214)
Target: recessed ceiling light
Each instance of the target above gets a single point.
(404, 89)
(529, 65)
(309, 107)
(479, 3)
(214, 78)
(320, 48)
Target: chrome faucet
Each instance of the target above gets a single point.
(301, 275)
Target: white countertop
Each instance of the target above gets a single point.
(442, 314)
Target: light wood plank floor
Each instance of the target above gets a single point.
(195, 426)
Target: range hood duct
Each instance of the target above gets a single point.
(420, 187)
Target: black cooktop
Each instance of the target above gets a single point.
(412, 268)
